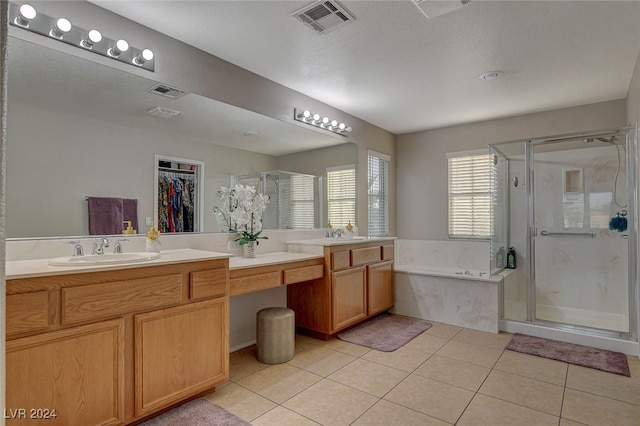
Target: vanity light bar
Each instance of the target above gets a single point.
(26, 17)
(323, 122)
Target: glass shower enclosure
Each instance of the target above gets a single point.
(295, 199)
(566, 204)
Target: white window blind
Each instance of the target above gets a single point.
(469, 195)
(341, 195)
(378, 189)
(302, 205)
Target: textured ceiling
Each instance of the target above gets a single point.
(403, 72)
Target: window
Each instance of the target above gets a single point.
(469, 194)
(302, 203)
(378, 191)
(341, 194)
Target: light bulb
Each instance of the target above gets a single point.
(146, 55)
(62, 26)
(316, 117)
(121, 46)
(93, 37)
(325, 120)
(334, 123)
(306, 113)
(342, 126)
(25, 14)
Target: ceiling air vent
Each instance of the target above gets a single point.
(167, 91)
(324, 16)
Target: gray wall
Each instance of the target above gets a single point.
(633, 96)
(422, 204)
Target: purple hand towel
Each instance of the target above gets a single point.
(105, 216)
(130, 212)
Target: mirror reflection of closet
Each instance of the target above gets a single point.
(179, 189)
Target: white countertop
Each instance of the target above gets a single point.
(264, 259)
(338, 241)
(40, 267)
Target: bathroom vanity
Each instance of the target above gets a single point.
(102, 346)
(115, 344)
(357, 284)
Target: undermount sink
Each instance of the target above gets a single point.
(104, 259)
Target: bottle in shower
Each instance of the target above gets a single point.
(511, 258)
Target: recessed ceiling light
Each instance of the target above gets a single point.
(250, 133)
(490, 75)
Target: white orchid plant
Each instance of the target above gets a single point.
(241, 211)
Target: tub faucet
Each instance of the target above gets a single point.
(467, 272)
(117, 248)
(99, 245)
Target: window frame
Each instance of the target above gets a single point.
(349, 217)
(472, 195)
(381, 228)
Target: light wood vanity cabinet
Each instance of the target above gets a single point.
(264, 277)
(349, 297)
(113, 347)
(358, 284)
(179, 353)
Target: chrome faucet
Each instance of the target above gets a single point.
(99, 245)
(77, 248)
(335, 232)
(117, 248)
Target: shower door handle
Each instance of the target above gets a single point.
(591, 234)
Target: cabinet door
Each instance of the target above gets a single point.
(380, 287)
(78, 372)
(180, 352)
(348, 297)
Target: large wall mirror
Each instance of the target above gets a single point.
(79, 129)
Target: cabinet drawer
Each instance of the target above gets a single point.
(114, 298)
(306, 273)
(27, 312)
(340, 260)
(255, 283)
(210, 283)
(387, 252)
(365, 255)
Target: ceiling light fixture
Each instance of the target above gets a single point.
(435, 8)
(316, 120)
(490, 75)
(25, 16)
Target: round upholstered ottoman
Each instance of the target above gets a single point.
(275, 335)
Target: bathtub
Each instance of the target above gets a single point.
(465, 298)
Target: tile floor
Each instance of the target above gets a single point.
(446, 376)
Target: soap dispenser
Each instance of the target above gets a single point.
(153, 239)
(129, 229)
(349, 229)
